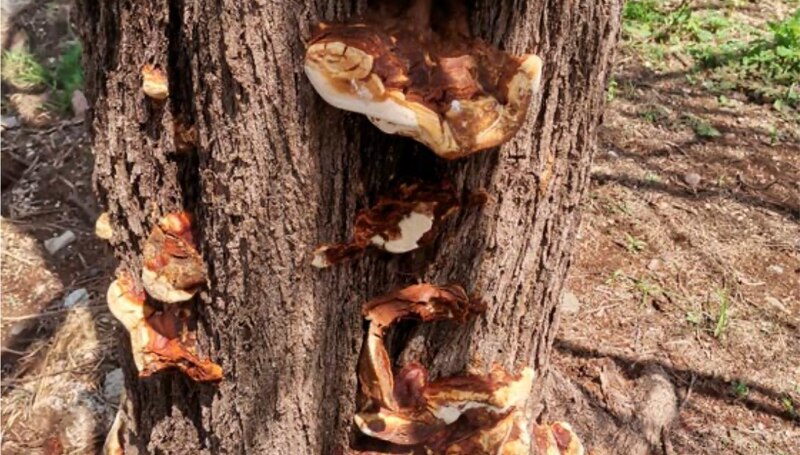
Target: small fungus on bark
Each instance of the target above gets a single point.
(398, 223)
(557, 438)
(173, 270)
(102, 227)
(159, 339)
(154, 82)
(420, 73)
(185, 136)
(458, 412)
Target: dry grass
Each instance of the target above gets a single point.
(59, 393)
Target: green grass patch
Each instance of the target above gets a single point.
(726, 53)
(767, 66)
(21, 69)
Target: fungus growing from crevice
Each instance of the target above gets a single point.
(102, 227)
(407, 409)
(159, 339)
(185, 136)
(557, 439)
(173, 270)
(155, 83)
(398, 223)
(419, 73)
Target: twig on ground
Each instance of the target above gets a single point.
(45, 314)
(85, 368)
(688, 393)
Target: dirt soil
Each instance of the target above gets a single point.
(675, 228)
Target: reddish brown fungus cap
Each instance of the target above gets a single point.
(400, 222)
(453, 414)
(159, 340)
(456, 95)
(173, 270)
(557, 438)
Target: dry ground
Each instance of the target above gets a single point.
(676, 228)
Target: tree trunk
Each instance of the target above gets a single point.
(276, 171)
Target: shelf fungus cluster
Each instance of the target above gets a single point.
(436, 84)
(398, 223)
(462, 414)
(161, 333)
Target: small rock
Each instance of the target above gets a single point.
(55, 244)
(775, 269)
(18, 328)
(9, 122)
(692, 179)
(113, 384)
(654, 265)
(79, 104)
(76, 297)
(570, 303)
(613, 155)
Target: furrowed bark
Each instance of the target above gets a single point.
(276, 171)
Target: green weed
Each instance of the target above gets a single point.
(651, 178)
(788, 406)
(67, 76)
(634, 245)
(740, 389)
(646, 289)
(693, 317)
(611, 93)
(616, 275)
(701, 127)
(723, 316)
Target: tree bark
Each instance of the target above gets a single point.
(276, 171)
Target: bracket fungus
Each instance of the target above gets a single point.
(173, 270)
(398, 223)
(159, 339)
(426, 79)
(455, 413)
(102, 227)
(155, 83)
(557, 439)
